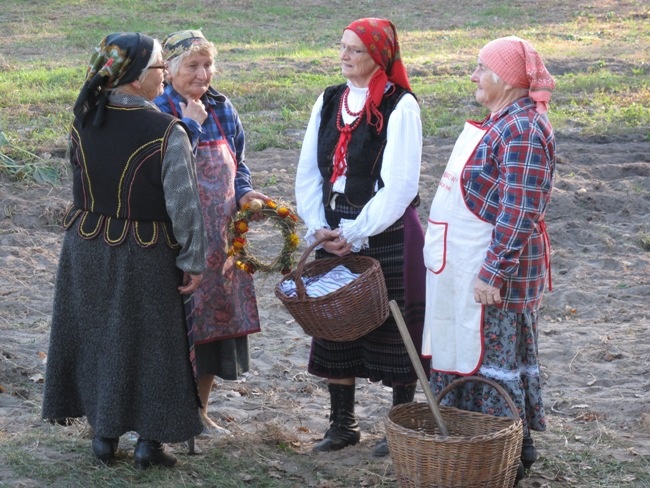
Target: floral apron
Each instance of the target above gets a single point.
(454, 250)
(224, 305)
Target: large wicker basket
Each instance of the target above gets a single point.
(480, 451)
(345, 314)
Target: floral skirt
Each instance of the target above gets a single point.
(511, 360)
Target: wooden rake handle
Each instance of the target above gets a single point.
(415, 359)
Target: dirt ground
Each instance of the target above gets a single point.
(594, 333)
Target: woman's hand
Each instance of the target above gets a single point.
(247, 198)
(195, 110)
(336, 244)
(486, 294)
(190, 283)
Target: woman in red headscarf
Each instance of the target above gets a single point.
(357, 184)
(486, 245)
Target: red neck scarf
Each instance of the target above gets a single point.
(380, 38)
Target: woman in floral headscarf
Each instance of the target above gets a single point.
(134, 242)
(486, 245)
(223, 310)
(357, 185)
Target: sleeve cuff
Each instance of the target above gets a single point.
(310, 238)
(358, 243)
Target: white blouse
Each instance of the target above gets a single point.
(400, 172)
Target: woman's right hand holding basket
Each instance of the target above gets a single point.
(335, 244)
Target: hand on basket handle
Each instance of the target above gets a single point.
(333, 242)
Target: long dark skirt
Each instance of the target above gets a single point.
(381, 354)
(227, 358)
(118, 344)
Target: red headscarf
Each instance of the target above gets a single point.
(517, 63)
(380, 38)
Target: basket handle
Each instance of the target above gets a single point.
(480, 379)
(300, 286)
(419, 370)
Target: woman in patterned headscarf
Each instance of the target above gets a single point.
(357, 185)
(134, 242)
(223, 310)
(486, 245)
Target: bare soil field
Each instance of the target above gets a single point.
(594, 337)
(594, 327)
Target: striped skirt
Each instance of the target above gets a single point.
(381, 354)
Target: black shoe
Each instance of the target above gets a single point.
(381, 448)
(104, 448)
(521, 473)
(337, 437)
(528, 452)
(401, 394)
(150, 453)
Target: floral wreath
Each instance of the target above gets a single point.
(283, 218)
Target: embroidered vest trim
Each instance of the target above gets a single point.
(117, 184)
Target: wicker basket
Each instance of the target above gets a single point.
(481, 450)
(345, 314)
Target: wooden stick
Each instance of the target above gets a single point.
(419, 370)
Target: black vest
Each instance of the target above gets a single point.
(365, 150)
(117, 175)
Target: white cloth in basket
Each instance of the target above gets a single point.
(322, 284)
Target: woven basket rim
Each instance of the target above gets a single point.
(514, 424)
(373, 265)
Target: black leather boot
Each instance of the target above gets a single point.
(104, 448)
(150, 453)
(528, 452)
(528, 457)
(344, 429)
(401, 394)
(521, 473)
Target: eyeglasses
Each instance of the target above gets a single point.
(352, 50)
(157, 66)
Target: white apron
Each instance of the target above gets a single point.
(455, 247)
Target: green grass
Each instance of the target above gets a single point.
(275, 58)
(267, 460)
(597, 471)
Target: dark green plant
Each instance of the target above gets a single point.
(31, 167)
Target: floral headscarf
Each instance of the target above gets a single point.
(517, 63)
(118, 60)
(179, 42)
